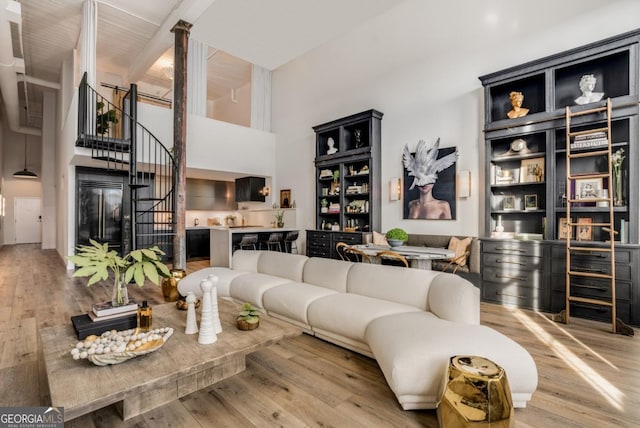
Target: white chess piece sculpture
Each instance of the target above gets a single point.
(192, 324)
(207, 329)
(214, 303)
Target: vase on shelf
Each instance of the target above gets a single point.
(617, 181)
(119, 294)
(499, 226)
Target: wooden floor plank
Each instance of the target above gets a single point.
(588, 377)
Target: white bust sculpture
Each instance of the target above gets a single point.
(332, 146)
(587, 85)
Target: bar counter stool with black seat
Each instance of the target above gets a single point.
(248, 242)
(291, 238)
(274, 242)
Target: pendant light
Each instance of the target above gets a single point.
(25, 173)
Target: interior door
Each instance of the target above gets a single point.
(28, 218)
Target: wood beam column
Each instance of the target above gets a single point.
(181, 48)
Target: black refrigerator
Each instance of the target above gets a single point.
(99, 213)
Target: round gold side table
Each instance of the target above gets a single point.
(476, 394)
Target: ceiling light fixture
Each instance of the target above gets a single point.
(25, 173)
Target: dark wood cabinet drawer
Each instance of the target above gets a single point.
(348, 238)
(515, 294)
(512, 261)
(592, 287)
(318, 252)
(622, 256)
(514, 276)
(591, 265)
(314, 235)
(594, 312)
(513, 248)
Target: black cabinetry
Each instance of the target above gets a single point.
(526, 172)
(250, 189)
(323, 243)
(198, 243)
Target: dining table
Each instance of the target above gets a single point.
(418, 257)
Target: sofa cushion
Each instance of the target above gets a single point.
(284, 265)
(192, 281)
(413, 351)
(327, 273)
(349, 314)
(460, 247)
(395, 284)
(251, 287)
(292, 300)
(244, 260)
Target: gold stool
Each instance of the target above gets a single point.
(476, 394)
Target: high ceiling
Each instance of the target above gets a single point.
(134, 41)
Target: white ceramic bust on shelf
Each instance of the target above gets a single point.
(332, 146)
(587, 85)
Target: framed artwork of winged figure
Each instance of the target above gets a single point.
(430, 182)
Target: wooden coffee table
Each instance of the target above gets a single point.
(180, 367)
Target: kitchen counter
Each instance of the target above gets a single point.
(223, 238)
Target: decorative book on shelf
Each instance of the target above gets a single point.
(84, 326)
(106, 308)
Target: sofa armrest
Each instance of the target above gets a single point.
(453, 298)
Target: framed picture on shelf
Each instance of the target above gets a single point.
(530, 202)
(507, 176)
(564, 230)
(532, 170)
(588, 188)
(285, 198)
(584, 229)
(508, 202)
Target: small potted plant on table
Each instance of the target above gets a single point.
(396, 237)
(248, 318)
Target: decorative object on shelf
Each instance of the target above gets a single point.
(115, 347)
(248, 318)
(170, 285)
(207, 329)
(616, 163)
(357, 134)
(331, 146)
(96, 260)
(145, 317)
(604, 194)
(508, 202)
(588, 188)
(584, 232)
(587, 85)
(192, 324)
(230, 220)
(530, 202)
(279, 219)
(326, 173)
(324, 204)
(506, 176)
(532, 170)
(516, 99)
(518, 147)
(396, 237)
(285, 198)
(434, 174)
(499, 226)
(564, 230)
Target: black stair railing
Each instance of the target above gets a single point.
(117, 139)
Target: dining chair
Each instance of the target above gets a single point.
(340, 247)
(456, 260)
(355, 255)
(389, 257)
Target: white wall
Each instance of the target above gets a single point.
(226, 110)
(48, 177)
(425, 92)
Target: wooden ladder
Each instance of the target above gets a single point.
(571, 243)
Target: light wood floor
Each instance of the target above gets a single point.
(587, 376)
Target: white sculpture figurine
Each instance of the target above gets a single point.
(214, 304)
(332, 149)
(587, 85)
(207, 328)
(192, 324)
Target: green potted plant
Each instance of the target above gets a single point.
(396, 237)
(248, 318)
(279, 218)
(97, 260)
(104, 118)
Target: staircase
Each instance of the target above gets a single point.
(118, 142)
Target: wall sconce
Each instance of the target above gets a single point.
(395, 189)
(464, 184)
(265, 191)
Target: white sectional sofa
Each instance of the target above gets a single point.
(411, 321)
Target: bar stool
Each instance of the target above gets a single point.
(248, 242)
(291, 238)
(274, 242)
